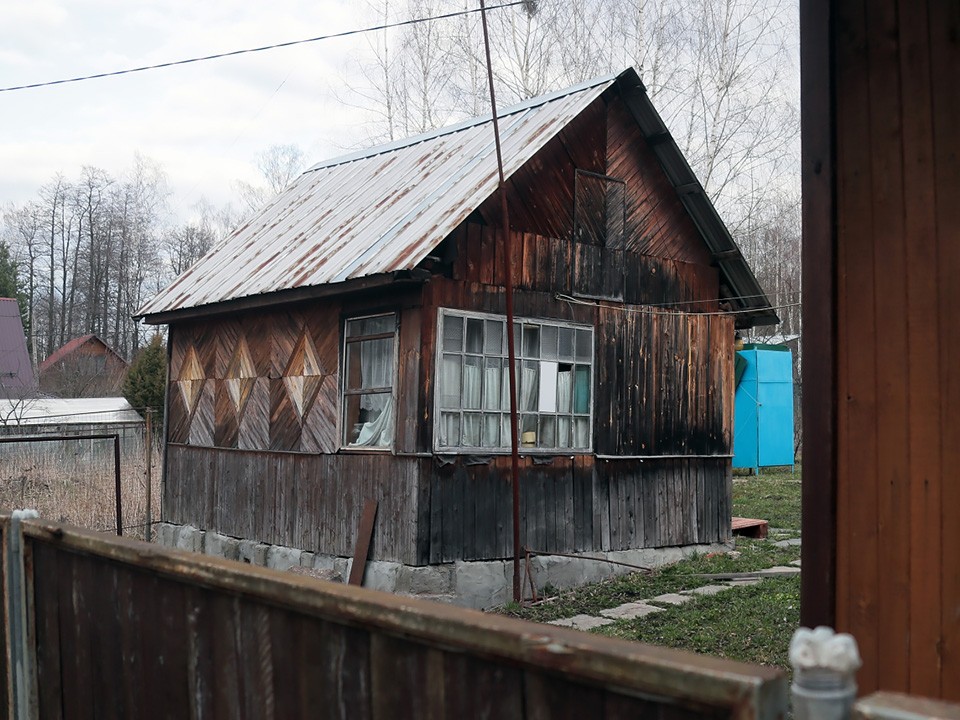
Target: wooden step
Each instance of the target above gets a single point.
(750, 527)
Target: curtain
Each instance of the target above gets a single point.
(379, 431)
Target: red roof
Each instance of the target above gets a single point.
(71, 347)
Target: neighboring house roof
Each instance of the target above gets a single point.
(69, 411)
(73, 346)
(15, 368)
(382, 210)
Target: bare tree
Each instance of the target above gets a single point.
(278, 165)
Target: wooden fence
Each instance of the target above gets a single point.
(118, 628)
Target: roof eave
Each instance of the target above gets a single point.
(256, 302)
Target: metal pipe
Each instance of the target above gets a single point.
(511, 349)
(20, 663)
(149, 443)
(116, 477)
(590, 557)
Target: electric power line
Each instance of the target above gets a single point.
(262, 48)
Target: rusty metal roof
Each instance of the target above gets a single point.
(372, 212)
(363, 216)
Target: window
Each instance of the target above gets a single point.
(599, 210)
(369, 369)
(554, 384)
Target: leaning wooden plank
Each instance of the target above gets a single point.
(364, 535)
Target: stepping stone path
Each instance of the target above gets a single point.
(630, 611)
(639, 609)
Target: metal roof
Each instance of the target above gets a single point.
(68, 411)
(16, 372)
(372, 212)
(380, 211)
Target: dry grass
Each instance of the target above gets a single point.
(73, 481)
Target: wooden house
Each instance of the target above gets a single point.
(348, 343)
(84, 367)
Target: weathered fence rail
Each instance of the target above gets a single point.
(120, 628)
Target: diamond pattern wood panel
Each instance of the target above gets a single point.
(258, 382)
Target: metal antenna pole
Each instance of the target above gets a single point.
(511, 349)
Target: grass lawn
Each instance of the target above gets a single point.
(773, 495)
(751, 623)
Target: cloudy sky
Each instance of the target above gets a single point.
(204, 123)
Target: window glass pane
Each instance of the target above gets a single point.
(581, 432)
(352, 370)
(471, 430)
(376, 362)
(531, 341)
(369, 364)
(369, 420)
(472, 367)
(566, 344)
(565, 388)
(492, 374)
(584, 345)
(548, 432)
(371, 325)
(529, 378)
(452, 333)
(548, 342)
(564, 426)
(528, 431)
(547, 400)
(517, 345)
(450, 429)
(449, 383)
(474, 335)
(581, 390)
(490, 433)
(493, 338)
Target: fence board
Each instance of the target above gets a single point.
(196, 636)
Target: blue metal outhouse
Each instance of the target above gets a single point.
(763, 410)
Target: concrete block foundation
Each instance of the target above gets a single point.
(476, 584)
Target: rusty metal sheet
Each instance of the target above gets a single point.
(372, 212)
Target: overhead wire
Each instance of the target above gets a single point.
(262, 48)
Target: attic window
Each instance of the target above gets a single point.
(554, 378)
(369, 362)
(599, 210)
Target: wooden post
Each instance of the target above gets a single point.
(148, 442)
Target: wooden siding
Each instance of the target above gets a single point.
(572, 504)
(560, 265)
(304, 500)
(663, 381)
(657, 223)
(119, 628)
(891, 209)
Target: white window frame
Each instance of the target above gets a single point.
(345, 393)
(440, 409)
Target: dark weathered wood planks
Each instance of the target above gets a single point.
(126, 629)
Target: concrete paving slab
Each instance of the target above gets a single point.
(630, 611)
(673, 598)
(744, 582)
(795, 562)
(780, 570)
(581, 622)
(706, 590)
(789, 542)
